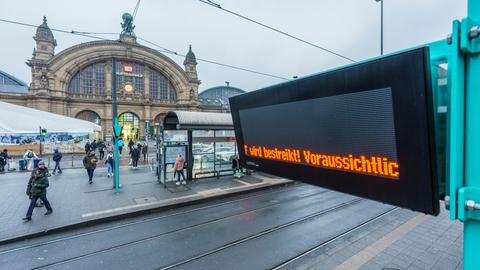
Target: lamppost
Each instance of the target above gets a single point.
(381, 26)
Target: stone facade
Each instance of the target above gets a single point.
(52, 74)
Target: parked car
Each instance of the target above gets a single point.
(225, 153)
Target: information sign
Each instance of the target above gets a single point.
(365, 129)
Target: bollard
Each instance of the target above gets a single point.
(72, 161)
(48, 164)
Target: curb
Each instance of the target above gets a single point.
(142, 212)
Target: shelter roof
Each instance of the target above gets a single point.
(184, 120)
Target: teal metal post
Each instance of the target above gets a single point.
(456, 119)
(116, 128)
(471, 192)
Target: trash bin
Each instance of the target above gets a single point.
(22, 164)
(35, 162)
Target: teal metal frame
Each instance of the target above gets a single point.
(462, 53)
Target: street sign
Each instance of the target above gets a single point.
(365, 129)
(117, 129)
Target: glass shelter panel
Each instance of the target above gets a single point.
(203, 153)
(225, 151)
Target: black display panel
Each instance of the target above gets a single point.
(365, 129)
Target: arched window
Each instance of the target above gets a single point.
(89, 81)
(161, 88)
(131, 125)
(90, 116)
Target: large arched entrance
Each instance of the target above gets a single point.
(131, 125)
(90, 116)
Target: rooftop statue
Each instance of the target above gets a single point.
(127, 25)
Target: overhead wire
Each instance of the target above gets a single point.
(136, 9)
(210, 3)
(163, 49)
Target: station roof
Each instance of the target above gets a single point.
(184, 120)
(20, 119)
(8, 83)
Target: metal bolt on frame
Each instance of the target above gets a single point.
(471, 205)
(474, 32)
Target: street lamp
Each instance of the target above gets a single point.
(381, 26)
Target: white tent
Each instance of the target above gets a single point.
(20, 119)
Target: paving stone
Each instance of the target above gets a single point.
(71, 197)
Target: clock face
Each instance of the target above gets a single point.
(128, 88)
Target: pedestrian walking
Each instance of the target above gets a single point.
(121, 144)
(29, 157)
(94, 146)
(130, 146)
(178, 169)
(37, 189)
(101, 149)
(109, 161)
(88, 147)
(135, 156)
(109, 148)
(145, 151)
(90, 163)
(57, 157)
(4, 157)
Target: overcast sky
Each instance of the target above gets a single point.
(349, 27)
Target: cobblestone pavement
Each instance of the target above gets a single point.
(400, 240)
(74, 200)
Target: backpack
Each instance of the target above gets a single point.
(30, 155)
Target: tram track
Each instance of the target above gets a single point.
(271, 230)
(271, 203)
(209, 252)
(332, 239)
(285, 189)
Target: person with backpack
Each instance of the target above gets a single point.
(109, 161)
(29, 157)
(57, 156)
(37, 189)
(90, 164)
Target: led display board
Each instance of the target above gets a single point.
(365, 129)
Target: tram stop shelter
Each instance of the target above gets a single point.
(206, 140)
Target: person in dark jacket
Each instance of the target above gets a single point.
(235, 164)
(130, 146)
(88, 147)
(4, 157)
(101, 149)
(110, 162)
(135, 156)
(37, 189)
(90, 164)
(57, 156)
(145, 151)
(94, 146)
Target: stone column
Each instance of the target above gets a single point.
(146, 86)
(108, 79)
